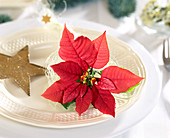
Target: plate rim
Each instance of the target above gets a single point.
(103, 27)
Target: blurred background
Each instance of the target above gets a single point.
(126, 16)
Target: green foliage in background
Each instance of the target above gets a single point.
(4, 18)
(121, 8)
(59, 4)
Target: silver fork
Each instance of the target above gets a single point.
(166, 54)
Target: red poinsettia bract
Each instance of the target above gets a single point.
(79, 79)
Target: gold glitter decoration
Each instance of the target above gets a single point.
(46, 19)
(19, 69)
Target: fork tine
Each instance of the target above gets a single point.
(168, 48)
(166, 53)
(164, 49)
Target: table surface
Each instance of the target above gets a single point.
(157, 123)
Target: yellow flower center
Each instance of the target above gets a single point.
(93, 80)
(86, 78)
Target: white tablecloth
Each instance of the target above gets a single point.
(157, 123)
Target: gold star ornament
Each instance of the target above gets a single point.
(19, 69)
(46, 19)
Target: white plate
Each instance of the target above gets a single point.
(112, 127)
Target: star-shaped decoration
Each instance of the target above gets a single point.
(19, 69)
(46, 19)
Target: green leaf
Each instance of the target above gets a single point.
(88, 83)
(4, 18)
(79, 80)
(130, 89)
(66, 105)
(93, 72)
(101, 72)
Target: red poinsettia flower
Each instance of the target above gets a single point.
(80, 82)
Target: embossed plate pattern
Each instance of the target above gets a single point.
(17, 107)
